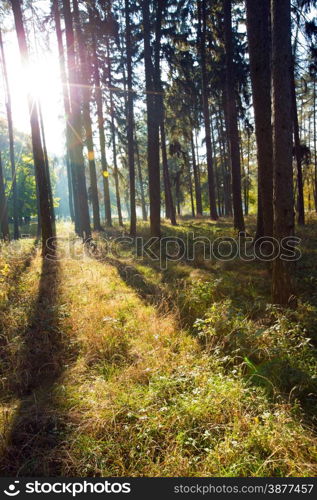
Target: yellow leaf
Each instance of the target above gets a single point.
(105, 173)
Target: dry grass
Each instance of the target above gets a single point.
(120, 388)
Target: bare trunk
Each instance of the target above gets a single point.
(38, 155)
(130, 121)
(85, 94)
(75, 130)
(16, 233)
(258, 27)
(283, 270)
(153, 151)
(201, 36)
(143, 205)
(199, 206)
(4, 226)
(114, 143)
(233, 132)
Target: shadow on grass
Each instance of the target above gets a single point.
(38, 426)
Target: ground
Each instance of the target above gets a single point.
(111, 366)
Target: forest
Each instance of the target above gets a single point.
(158, 232)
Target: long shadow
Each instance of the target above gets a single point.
(38, 426)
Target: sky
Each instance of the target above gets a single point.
(42, 76)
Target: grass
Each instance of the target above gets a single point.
(115, 367)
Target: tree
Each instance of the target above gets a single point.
(201, 41)
(84, 78)
(71, 185)
(75, 129)
(100, 117)
(38, 155)
(232, 116)
(259, 40)
(153, 152)
(4, 226)
(283, 270)
(16, 233)
(130, 120)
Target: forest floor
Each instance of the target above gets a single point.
(114, 366)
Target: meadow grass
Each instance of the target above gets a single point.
(117, 367)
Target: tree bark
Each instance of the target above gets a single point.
(84, 78)
(298, 156)
(283, 270)
(4, 225)
(233, 132)
(38, 155)
(153, 119)
(113, 137)
(101, 130)
(259, 40)
(130, 120)
(199, 206)
(143, 205)
(16, 233)
(73, 209)
(201, 39)
(75, 129)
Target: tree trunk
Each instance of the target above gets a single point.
(259, 40)
(113, 138)
(201, 39)
(283, 270)
(73, 210)
(315, 146)
(47, 168)
(16, 233)
(75, 129)
(143, 205)
(4, 226)
(38, 155)
(130, 120)
(170, 206)
(153, 119)
(199, 206)
(298, 156)
(85, 94)
(233, 132)
(101, 130)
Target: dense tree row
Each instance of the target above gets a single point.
(175, 105)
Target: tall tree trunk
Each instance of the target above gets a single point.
(38, 155)
(130, 120)
(140, 176)
(153, 119)
(315, 146)
(199, 206)
(113, 137)
(224, 168)
(4, 226)
(283, 270)
(170, 206)
(47, 168)
(102, 137)
(201, 39)
(233, 132)
(259, 40)
(72, 193)
(190, 184)
(298, 156)
(16, 233)
(153, 151)
(75, 129)
(85, 93)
